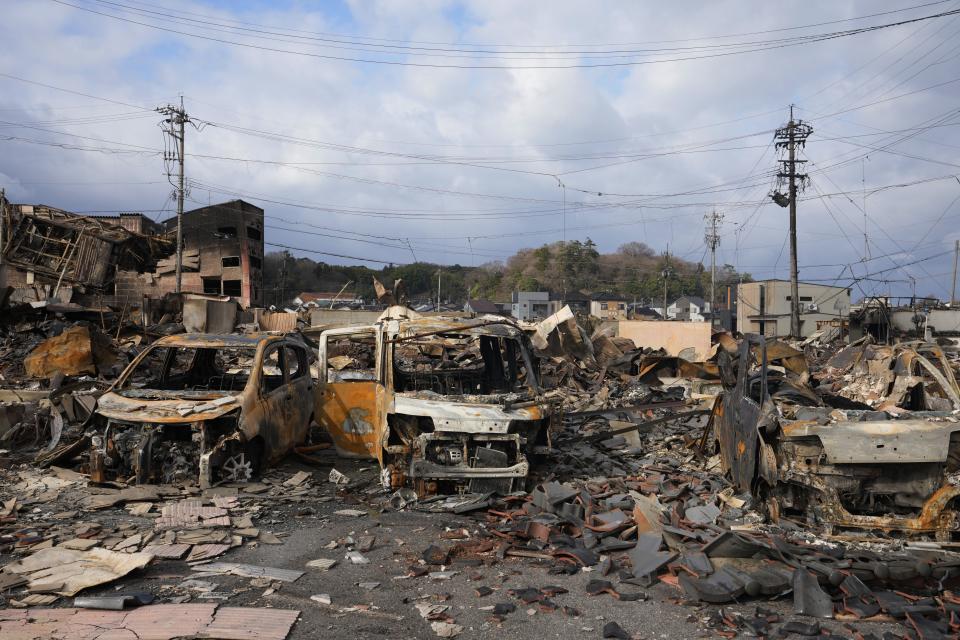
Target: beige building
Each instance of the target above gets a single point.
(608, 306)
(764, 307)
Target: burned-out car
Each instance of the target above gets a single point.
(217, 407)
(894, 471)
(440, 402)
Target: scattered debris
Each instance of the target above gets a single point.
(161, 622)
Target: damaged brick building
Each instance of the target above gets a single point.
(119, 260)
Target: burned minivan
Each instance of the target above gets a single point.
(444, 403)
(212, 407)
(895, 471)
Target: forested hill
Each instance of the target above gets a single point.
(634, 270)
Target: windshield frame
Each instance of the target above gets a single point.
(122, 383)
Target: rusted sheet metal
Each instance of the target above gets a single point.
(352, 413)
(215, 340)
(738, 417)
(76, 351)
(248, 623)
(933, 517)
(880, 441)
(781, 353)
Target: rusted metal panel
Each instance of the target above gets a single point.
(737, 417)
(352, 413)
(75, 351)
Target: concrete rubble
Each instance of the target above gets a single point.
(774, 487)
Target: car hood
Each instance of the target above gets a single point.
(168, 410)
(464, 416)
(879, 441)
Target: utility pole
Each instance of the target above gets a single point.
(3, 221)
(953, 290)
(665, 273)
(173, 126)
(712, 238)
(439, 273)
(283, 280)
(792, 137)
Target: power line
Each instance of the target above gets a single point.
(764, 46)
(76, 93)
(618, 44)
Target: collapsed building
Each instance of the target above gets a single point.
(48, 253)
(96, 261)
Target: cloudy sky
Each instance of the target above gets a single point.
(460, 132)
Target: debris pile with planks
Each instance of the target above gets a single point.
(819, 471)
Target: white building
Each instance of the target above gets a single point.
(764, 307)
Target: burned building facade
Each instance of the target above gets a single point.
(222, 255)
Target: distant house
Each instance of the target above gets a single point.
(578, 302)
(644, 313)
(609, 306)
(481, 307)
(691, 308)
(533, 305)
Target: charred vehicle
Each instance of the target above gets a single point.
(896, 472)
(217, 407)
(436, 401)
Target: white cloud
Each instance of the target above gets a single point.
(478, 117)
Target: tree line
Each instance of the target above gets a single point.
(634, 270)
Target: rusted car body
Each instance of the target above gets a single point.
(451, 401)
(214, 407)
(861, 472)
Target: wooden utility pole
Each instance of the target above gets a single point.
(3, 220)
(953, 289)
(792, 137)
(174, 127)
(283, 280)
(665, 273)
(712, 238)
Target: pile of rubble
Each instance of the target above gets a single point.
(814, 472)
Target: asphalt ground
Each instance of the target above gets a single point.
(357, 610)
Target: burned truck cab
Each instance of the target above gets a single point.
(895, 471)
(443, 403)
